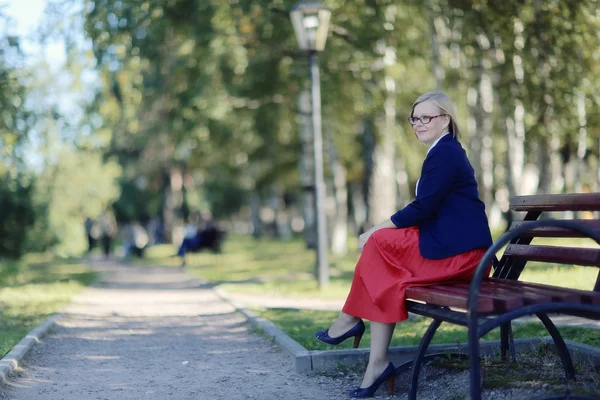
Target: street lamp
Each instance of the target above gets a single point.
(311, 25)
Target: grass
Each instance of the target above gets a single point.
(270, 267)
(302, 324)
(33, 289)
(263, 267)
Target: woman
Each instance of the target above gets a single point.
(440, 236)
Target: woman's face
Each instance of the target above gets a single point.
(430, 132)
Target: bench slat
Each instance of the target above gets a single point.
(500, 295)
(557, 202)
(444, 298)
(551, 231)
(558, 293)
(456, 297)
(528, 295)
(556, 254)
(545, 294)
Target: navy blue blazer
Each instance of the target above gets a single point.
(447, 210)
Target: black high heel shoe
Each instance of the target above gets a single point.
(357, 331)
(388, 375)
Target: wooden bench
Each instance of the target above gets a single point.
(490, 302)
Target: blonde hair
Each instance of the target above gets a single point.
(443, 103)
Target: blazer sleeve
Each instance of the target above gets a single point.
(437, 176)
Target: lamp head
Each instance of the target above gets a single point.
(311, 24)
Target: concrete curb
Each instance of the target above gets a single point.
(302, 357)
(323, 360)
(11, 361)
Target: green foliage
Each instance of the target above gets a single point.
(213, 83)
(538, 52)
(47, 184)
(226, 199)
(16, 206)
(206, 85)
(135, 203)
(16, 216)
(79, 185)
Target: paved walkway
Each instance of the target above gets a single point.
(152, 333)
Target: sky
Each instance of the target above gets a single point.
(26, 15)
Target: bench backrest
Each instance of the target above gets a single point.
(520, 250)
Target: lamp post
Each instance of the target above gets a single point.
(311, 25)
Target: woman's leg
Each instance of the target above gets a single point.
(345, 321)
(381, 336)
(342, 324)
(372, 262)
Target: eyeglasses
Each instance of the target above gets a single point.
(425, 119)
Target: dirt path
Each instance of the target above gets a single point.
(158, 334)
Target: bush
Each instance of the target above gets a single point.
(16, 216)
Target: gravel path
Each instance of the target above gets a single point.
(145, 333)
(158, 333)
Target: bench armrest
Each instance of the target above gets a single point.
(556, 202)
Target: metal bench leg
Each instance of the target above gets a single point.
(504, 328)
(561, 347)
(474, 365)
(507, 342)
(414, 380)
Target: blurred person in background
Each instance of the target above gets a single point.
(135, 239)
(207, 236)
(108, 229)
(92, 231)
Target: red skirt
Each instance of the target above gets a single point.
(389, 264)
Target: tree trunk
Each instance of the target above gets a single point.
(551, 178)
(382, 190)
(339, 220)
(172, 202)
(474, 122)
(596, 174)
(581, 145)
(544, 167)
(486, 96)
(255, 222)
(368, 159)
(281, 221)
(438, 69)
(359, 207)
(307, 170)
(404, 194)
(515, 155)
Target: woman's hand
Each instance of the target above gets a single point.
(362, 239)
